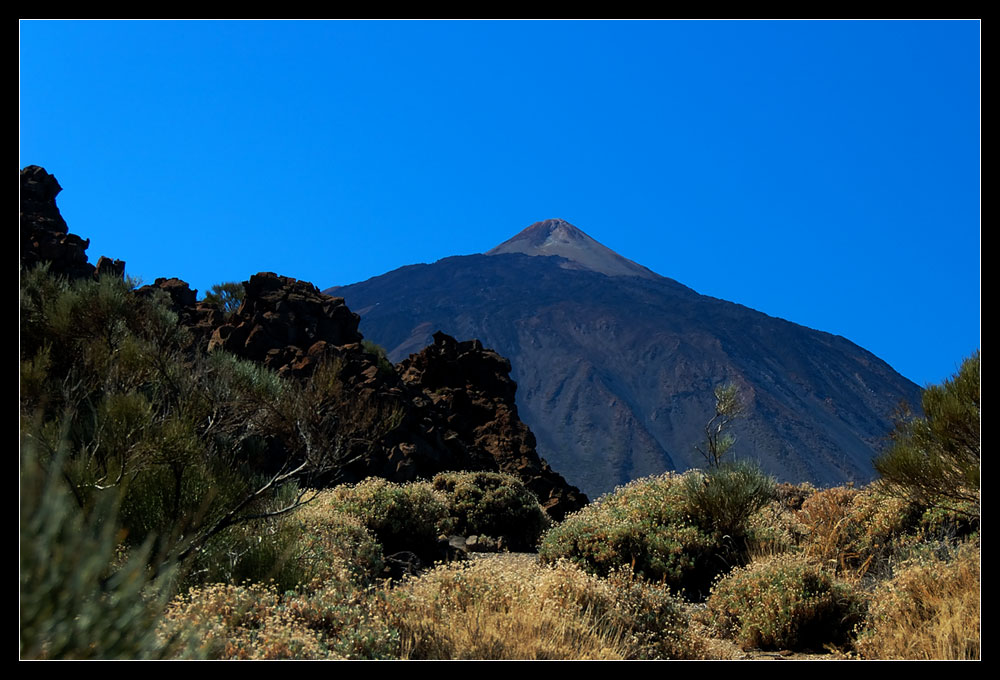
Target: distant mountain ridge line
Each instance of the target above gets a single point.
(616, 370)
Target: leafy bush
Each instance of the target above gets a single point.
(402, 517)
(934, 460)
(495, 505)
(723, 499)
(784, 602)
(227, 297)
(644, 525)
(81, 597)
(191, 445)
(930, 609)
(385, 366)
(330, 541)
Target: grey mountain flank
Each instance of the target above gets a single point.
(616, 365)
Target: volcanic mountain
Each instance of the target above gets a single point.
(616, 365)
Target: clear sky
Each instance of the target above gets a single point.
(825, 172)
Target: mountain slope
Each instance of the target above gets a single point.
(616, 365)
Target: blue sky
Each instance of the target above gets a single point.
(825, 172)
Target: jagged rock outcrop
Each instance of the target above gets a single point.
(454, 401)
(473, 386)
(44, 234)
(199, 317)
(451, 407)
(286, 324)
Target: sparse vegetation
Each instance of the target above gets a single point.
(168, 509)
(718, 439)
(226, 296)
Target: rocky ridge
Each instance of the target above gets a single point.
(455, 400)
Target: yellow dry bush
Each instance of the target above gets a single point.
(929, 610)
(241, 622)
(856, 531)
(507, 609)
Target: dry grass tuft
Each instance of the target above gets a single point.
(504, 609)
(929, 610)
(857, 532)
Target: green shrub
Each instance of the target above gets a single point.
(643, 525)
(934, 459)
(402, 517)
(82, 597)
(385, 366)
(723, 499)
(330, 541)
(227, 297)
(493, 504)
(784, 602)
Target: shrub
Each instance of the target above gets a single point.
(402, 517)
(504, 609)
(493, 504)
(347, 618)
(81, 597)
(929, 610)
(329, 541)
(934, 460)
(857, 531)
(175, 435)
(772, 530)
(242, 622)
(332, 620)
(723, 499)
(385, 367)
(227, 297)
(784, 602)
(643, 525)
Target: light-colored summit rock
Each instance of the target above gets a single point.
(559, 237)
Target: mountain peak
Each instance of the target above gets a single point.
(559, 237)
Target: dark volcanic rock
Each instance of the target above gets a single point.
(44, 234)
(616, 372)
(282, 321)
(472, 385)
(454, 401)
(201, 318)
(450, 407)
